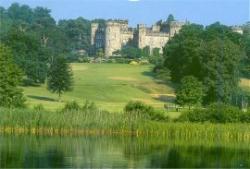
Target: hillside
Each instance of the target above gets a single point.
(110, 86)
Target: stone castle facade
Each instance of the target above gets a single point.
(115, 34)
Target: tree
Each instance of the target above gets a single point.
(220, 62)
(212, 55)
(170, 18)
(181, 53)
(60, 77)
(130, 52)
(28, 54)
(190, 92)
(10, 77)
(145, 52)
(246, 60)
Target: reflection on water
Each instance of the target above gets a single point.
(118, 152)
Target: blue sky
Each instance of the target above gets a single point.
(230, 12)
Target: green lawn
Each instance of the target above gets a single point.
(245, 85)
(110, 86)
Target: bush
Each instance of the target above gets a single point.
(216, 113)
(39, 108)
(71, 106)
(89, 106)
(146, 111)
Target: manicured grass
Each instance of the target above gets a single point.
(110, 86)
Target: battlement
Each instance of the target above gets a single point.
(157, 34)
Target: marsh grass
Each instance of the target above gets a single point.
(76, 123)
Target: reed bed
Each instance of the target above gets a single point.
(80, 123)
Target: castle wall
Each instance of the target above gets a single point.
(126, 37)
(116, 34)
(156, 41)
(94, 28)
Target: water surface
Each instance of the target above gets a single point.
(119, 152)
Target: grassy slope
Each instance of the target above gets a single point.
(110, 86)
(245, 85)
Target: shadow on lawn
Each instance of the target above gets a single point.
(165, 98)
(157, 80)
(42, 98)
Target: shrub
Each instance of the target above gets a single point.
(71, 106)
(39, 107)
(133, 63)
(146, 111)
(216, 113)
(89, 106)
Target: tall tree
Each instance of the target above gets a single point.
(170, 18)
(60, 77)
(10, 77)
(181, 54)
(220, 69)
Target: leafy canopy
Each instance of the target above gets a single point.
(190, 92)
(60, 76)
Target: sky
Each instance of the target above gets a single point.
(229, 12)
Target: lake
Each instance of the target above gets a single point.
(120, 152)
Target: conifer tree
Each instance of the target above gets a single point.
(60, 77)
(10, 77)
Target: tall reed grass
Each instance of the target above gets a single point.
(41, 122)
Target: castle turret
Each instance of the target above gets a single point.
(94, 28)
(112, 37)
(142, 30)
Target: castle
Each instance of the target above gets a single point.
(115, 34)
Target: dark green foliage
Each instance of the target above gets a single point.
(141, 109)
(170, 18)
(89, 106)
(181, 53)
(10, 77)
(60, 77)
(77, 32)
(130, 52)
(39, 108)
(216, 113)
(71, 106)
(246, 60)
(28, 54)
(220, 62)
(190, 92)
(145, 52)
(213, 55)
(74, 106)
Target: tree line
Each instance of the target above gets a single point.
(207, 63)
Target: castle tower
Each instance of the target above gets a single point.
(94, 28)
(112, 37)
(141, 35)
